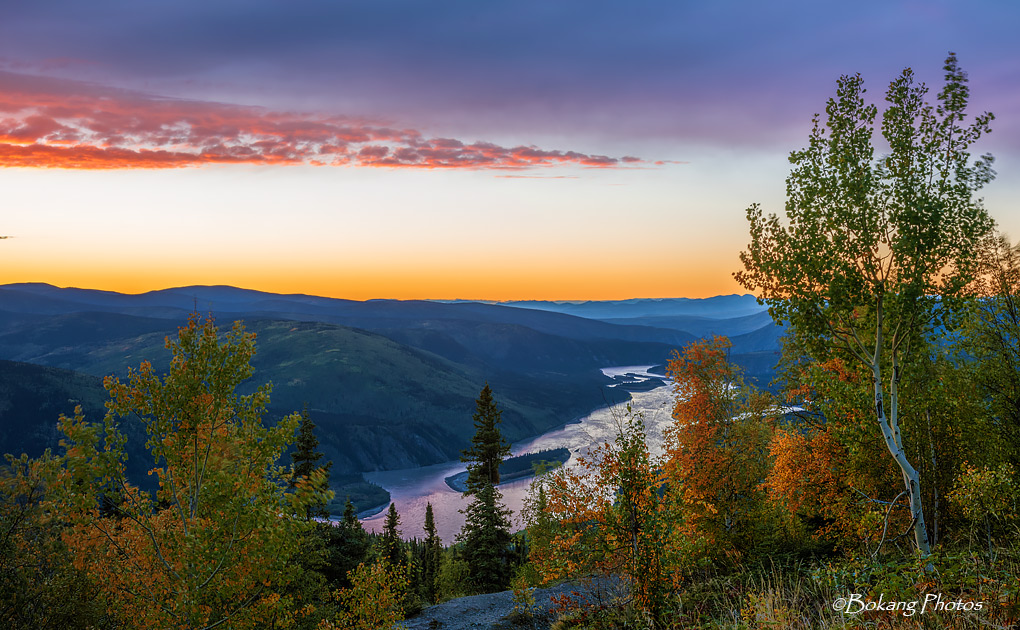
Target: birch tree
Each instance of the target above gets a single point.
(873, 251)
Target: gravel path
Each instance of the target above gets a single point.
(491, 612)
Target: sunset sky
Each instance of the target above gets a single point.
(535, 149)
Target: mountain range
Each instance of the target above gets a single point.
(390, 384)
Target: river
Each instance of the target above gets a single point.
(411, 488)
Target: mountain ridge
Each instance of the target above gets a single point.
(392, 382)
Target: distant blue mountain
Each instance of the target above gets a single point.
(231, 302)
(719, 307)
(700, 325)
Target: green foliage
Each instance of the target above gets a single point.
(454, 575)
(305, 458)
(900, 230)
(988, 499)
(220, 529)
(488, 448)
(432, 556)
(991, 493)
(486, 538)
(991, 339)
(391, 548)
(373, 601)
(876, 252)
(394, 553)
(523, 598)
(39, 586)
(347, 545)
(309, 590)
(305, 462)
(486, 531)
(949, 576)
(540, 525)
(832, 471)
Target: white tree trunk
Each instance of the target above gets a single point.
(889, 424)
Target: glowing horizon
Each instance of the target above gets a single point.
(402, 297)
(552, 292)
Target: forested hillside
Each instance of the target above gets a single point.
(389, 393)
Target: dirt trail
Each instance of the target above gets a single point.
(491, 612)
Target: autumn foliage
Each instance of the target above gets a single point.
(614, 516)
(718, 448)
(373, 601)
(622, 511)
(829, 470)
(211, 544)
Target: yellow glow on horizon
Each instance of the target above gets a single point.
(426, 281)
(370, 234)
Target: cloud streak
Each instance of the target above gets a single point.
(54, 123)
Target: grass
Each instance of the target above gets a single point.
(800, 595)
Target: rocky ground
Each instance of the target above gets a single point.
(495, 610)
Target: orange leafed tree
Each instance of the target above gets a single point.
(717, 447)
(211, 546)
(622, 511)
(828, 469)
(614, 516)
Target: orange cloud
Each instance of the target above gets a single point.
(53, 123)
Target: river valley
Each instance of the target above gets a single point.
(412, 488)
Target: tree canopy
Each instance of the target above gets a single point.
(874, 251)
(213, 544)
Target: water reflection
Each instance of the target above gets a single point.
(412, 488)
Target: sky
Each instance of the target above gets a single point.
(577, 149)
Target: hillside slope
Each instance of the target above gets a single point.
(391, 383)
(378, 403)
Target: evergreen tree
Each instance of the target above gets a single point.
(486, 538)
(431, 556)
(488, 448)
(305, 460)
(347, 546)
(486, 531)
(391, 548)
(393, 554)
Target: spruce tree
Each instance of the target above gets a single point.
(486, 538)
(488, 448)
(393, 554)
(305, 461)
(350, 517)
(391, 548)
(347, 546)
(431, 557)
(486, 531)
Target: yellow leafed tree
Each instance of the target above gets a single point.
(210, 547)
